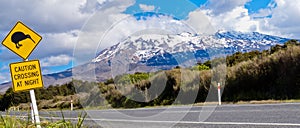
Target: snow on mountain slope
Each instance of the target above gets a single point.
(146, 48)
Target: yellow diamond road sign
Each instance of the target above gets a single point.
(26, 75)
(21, 40)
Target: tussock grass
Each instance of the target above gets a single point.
(8, 121)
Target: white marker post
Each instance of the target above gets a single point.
(71, 105)
(219, 93)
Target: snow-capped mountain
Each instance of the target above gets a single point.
(142, 53)
(154, 50)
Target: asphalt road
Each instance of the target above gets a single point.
(226, 116)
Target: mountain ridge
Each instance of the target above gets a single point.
(151, 44)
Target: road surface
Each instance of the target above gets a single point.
(285, 115)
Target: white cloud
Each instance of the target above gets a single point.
(130, 26)
(223, 6)
(91, 6)
(225, 15)
(200, 22)
(262, 13)
(56, 61)
(280, 18)
(59, 23)
(56, 44)
(237, 19)
(285, 18)
(99, 23)
(44, 16)
(147, 8)
(4, 77)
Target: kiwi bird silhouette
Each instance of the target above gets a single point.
(19, 36)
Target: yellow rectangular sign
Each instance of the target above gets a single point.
(26, 75)
(21, 40)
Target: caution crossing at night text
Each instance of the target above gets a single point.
(26, 75)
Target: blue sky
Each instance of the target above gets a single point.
(163, 6)
(62, 27)
(255, 5)
(182, 12)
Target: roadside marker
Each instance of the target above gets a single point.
(219, 93)
(71, 103)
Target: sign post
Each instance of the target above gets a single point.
(32, 114)
(25, 75)
(35, 109)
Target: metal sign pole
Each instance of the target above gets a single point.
(32, 114)
(34, 107)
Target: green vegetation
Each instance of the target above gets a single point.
(8, 121)
(201, 67)
(269, 74)
(66, 123)
(13, 99)
(11, 122)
